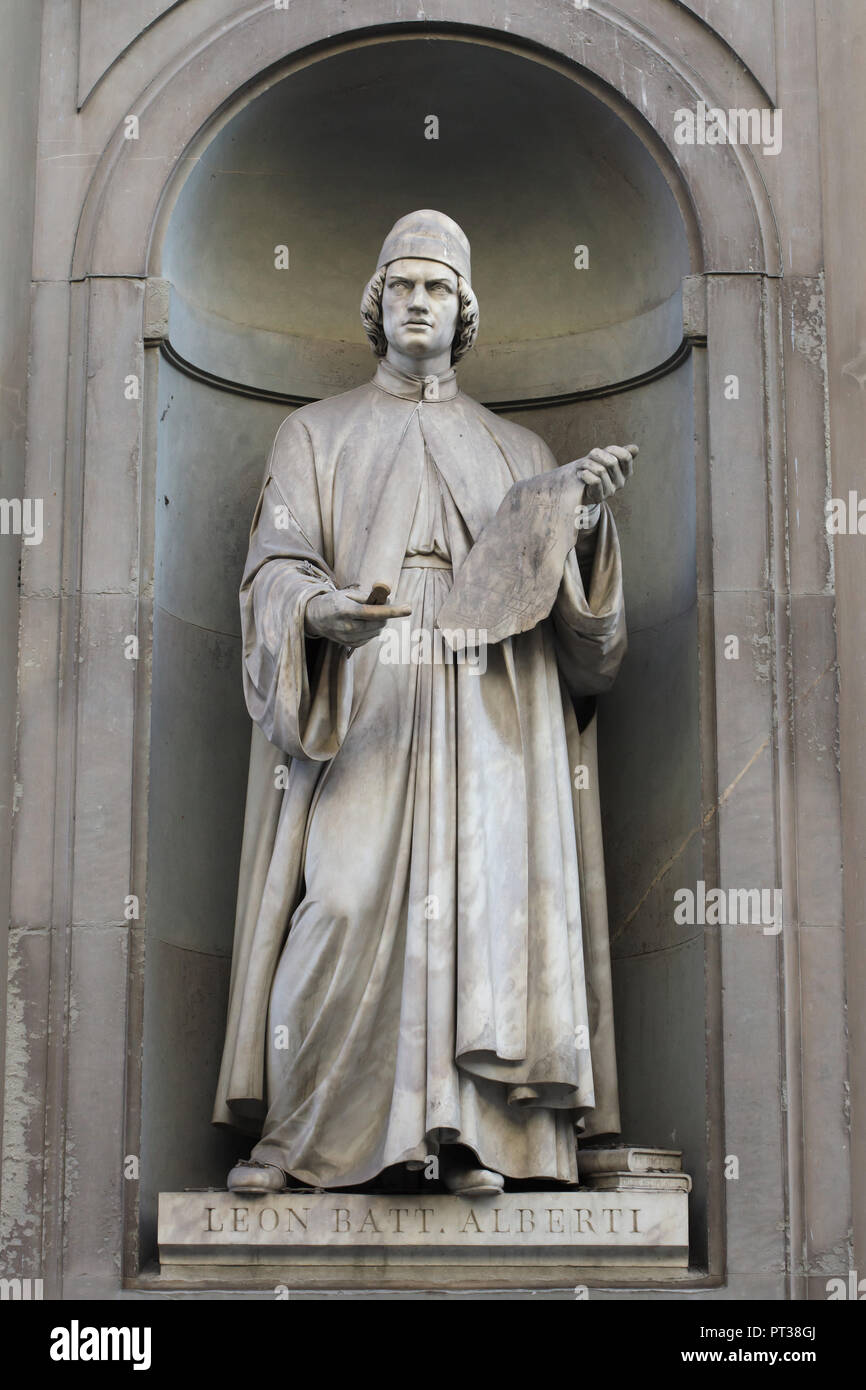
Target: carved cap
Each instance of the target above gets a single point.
(427, 235)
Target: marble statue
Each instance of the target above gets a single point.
(421, 965)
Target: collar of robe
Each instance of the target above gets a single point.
(415, 388)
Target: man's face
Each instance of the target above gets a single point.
(420, 307)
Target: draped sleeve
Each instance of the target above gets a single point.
(298, 689)
(588, 616)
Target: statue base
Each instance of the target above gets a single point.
(640, 1226)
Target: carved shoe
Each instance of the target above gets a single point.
(474, 1182)
(248, 1175)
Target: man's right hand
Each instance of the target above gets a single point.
(343, 616)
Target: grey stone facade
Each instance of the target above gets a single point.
(144, 375)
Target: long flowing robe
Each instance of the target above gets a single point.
(421, 950)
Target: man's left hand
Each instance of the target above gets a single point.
(605, 471)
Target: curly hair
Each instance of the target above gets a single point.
(371, 316)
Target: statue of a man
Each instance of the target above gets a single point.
(421, 961)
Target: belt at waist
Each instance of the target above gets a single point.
(426, 562)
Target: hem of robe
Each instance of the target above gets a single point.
(415, 1159)
(532, 1091)
(550, 1153)
(417, 1165)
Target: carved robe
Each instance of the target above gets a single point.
(421, 952)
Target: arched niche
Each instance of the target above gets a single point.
(533, 164)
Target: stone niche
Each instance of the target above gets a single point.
(534, 166)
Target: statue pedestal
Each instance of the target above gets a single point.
(544, 1231)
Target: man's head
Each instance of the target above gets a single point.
(420, 304)
(420, 307)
